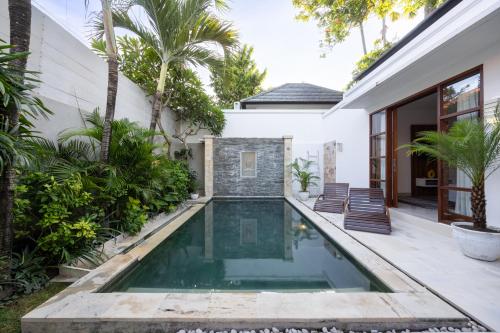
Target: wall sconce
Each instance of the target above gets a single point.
(340, 147)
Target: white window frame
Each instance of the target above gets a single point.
(241, 164)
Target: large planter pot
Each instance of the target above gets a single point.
(477, 244)
(194, 196)
(303, 196)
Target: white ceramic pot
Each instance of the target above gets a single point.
(477, 244)
(303, 196)
(194, 196)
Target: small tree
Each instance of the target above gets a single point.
(238, 79)
(193, 108)
(300, 169)
(473, 147)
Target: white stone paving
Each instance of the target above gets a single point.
(427, 252)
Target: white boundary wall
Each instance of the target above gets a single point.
(73, 77)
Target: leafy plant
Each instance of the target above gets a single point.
(193, 183)
(29, 271)
(300, 170)
(134, 216)
(472, 146)
(238, 79)
(179, 32)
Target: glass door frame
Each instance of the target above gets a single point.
(391, 162)
(444, 214)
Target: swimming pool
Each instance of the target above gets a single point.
(247, 245)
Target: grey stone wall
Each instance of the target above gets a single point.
(270, 167)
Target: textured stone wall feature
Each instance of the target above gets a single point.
(288, 155)
(209, 166)
(227, 179)
(329, 158)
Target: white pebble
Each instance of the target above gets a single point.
(275, 330)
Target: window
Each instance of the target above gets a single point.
(378, 150)
(248, 163)
(460, 99)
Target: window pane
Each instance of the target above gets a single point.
(378, 122)
(459, 203)
(248, 164)
(378, 185)
(377, 168)
(455, 177)
(461, 95)
(378, 145)
(448, 122)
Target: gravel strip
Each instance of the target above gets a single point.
(470, 327)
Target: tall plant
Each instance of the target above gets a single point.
(180, 31)
(16, 103)
(300, 170)
(473, 147)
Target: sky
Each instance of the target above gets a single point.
(287, 48)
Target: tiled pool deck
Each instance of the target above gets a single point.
(426, 251)
(80, 308)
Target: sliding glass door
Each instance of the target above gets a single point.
(378, 149)
(460, 98)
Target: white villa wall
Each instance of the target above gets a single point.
(350, 127)
(73, 77)
(491, 70)
(304, 125)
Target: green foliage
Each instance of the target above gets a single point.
(470, 145)
(55, 216)
(368, 59)
(184, 92)
(238, 79)
(193, 183)
(15, 88)
(300, 169)
(134, 216)
(28, 271)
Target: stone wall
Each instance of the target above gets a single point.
(227, 180)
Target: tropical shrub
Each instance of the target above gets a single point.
(134, 216)
(56, 217)
(301, 173)
(28, 271)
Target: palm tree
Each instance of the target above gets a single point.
(180, 32)
(471, 146)
(16, 105)
(111, 51)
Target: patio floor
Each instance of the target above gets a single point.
(426, 251)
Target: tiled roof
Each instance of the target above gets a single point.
(296, 93)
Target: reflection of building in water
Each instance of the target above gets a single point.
(209, 232)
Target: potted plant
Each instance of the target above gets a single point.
(473, 147)
(300, 169)
(193, 185)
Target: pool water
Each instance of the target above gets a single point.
(247, 245)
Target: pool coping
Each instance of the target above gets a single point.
(79, 307)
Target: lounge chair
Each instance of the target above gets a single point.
(333, 199)
(367, 211)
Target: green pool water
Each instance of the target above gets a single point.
(247, 245)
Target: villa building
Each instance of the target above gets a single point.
(445, 69)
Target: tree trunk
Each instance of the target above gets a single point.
(363, 40)
(20, 29)
(157, 98)
(111, 52)
(478, 203)
(384, 31)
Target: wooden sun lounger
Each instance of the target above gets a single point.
(333, 199)
(367, 211)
